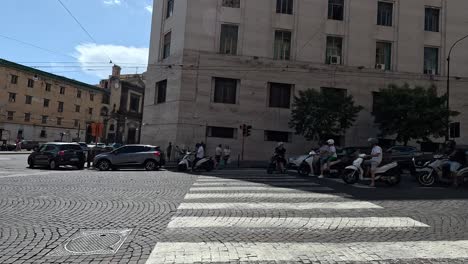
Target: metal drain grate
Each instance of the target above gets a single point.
(92, 242)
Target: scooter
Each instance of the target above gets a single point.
(186, 163)
(309, 165)
(438, 171)
(389, 173)
(273, 165)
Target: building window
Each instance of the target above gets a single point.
(231, 3)
(431, 61)
(335, 9)
(76, 123)
(383, 56)
(284, 7)
(166, 45)
(161, 89)
(170, 8)
(62, 90)
(46, 102)
(48, 87)
(77, 108)
(44, 119)
(28, 99)
(134, 103)
(225, 90)
(30, 83)
(91, 97)
(105, 99)
(228, 43)
(14, 79)
(455, 130)
(90, 110)
(43, 134)
(59, 121)
(431, 19)
(277, 136)
(334, 50)
(282, 45)
(385, 14)
(78, 94)
(280, 95)
(27, 117)
(221, 132)
(11, 97)
(104, 111)
(60, 107)
(10, 115)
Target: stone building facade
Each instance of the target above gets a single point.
(215, 64)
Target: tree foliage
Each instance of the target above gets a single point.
(417, 113)
(316, 115)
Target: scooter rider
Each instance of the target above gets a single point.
(200, 154)
(329, 156)
(280, 153)
(456, 159)
(376, 159)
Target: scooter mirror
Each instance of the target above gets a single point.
(312, 153)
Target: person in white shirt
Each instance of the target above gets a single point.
(329, 156)
(376, 159)
(199, 155)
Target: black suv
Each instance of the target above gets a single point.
(53, 155)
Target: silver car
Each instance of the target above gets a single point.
(130, 156)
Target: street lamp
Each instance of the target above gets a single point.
(447, 135)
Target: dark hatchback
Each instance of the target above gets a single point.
(53, 155)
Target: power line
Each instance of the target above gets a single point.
(81, 26)
(36, 46)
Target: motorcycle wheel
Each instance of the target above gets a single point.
(209, 166)
(303, 170)
(393, 180)
(350, 176)
(426, 178)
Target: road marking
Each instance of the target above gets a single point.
(195, 196)
(251, 179)
(296, 223)
(5, 158)
(279, 206)
(30, 174)
(185, 252)
(242, 183)
(257, 188)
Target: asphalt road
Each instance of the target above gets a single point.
(247, 216)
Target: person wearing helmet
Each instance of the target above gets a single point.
(376, 158)
(456, 159)
(280, 153)
(329, 156)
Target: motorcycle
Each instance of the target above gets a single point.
(438, 171)
(186, 163)
(273, 165)
(308, 165)
(388, 173)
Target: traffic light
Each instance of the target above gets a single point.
(246, 130)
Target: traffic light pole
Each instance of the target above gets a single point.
(243, 145)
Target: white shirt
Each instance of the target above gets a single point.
(218, 151)
(227, 152)
(200, 152)
(332, 151)
(376, 150)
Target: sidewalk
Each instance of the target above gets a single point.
(15, 152)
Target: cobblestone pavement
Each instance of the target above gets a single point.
(224, 217)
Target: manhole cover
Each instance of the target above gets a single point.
(91, 242)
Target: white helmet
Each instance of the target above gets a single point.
(280, 144)
(331, 142)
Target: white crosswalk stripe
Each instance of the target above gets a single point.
(258, 194)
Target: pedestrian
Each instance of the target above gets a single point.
(18, 144)
(226, 155)
(200, 154)
(376, 159)
(218, 154)
(169, 151)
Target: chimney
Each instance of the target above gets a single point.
(116, 71)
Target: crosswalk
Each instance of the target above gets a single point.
(229, 220)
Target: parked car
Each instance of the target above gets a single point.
(130, 156)
(56, 154)
(404, 156)
(29, 145)
(7, 146)
(115, 145)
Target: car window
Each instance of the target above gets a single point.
(70, 147)
(49, 148)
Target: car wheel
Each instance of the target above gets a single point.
(31, 163)
(103, 165)
(52, 165)
(150, 165)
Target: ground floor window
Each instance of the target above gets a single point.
(278, 136)
(221, 132)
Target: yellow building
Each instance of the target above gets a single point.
(39, 106)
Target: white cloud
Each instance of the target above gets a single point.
(94, 58)
(149, 8)
(112, 2)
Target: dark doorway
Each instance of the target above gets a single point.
(131, 139)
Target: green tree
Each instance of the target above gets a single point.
(411, 113)
(316, 115)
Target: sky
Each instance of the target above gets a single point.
(42, 34)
